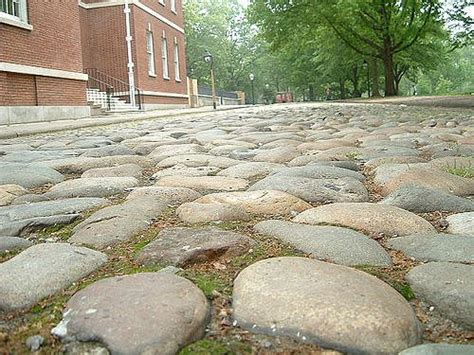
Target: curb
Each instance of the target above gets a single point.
(27, 129)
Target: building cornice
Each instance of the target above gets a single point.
(107, 3)
(39, 71)
(138, 4)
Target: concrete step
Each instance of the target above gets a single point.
(98, 111)
(102, 101)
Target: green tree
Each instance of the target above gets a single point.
(453, 75)
(220, 27)
(382, 29)
(426, 56)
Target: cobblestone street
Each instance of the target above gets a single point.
(290, 229)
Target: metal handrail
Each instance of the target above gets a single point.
(112, 86)
(95, 72)
(99, 82)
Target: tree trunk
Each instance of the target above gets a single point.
(400, 71)
(311, 92)
(342, 88)
(374, 73)
(355, 82)
(388, 69)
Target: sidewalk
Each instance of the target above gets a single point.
(19, 130)
(459, 101)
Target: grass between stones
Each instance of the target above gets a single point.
(212, 283)
(465, 172)
(353, 156)
(385, 275)
(61, 232)
(4, 256)
(58, 232)
(214, 347)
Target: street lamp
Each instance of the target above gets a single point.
(208, 59)
(252, 78)
(366, 66)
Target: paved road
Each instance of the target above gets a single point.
(241, 231)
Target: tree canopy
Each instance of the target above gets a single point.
(326, 48)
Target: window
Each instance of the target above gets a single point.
(162, 2)
(173, 6)
(15, 9)
(150, 51)
(164, 56)
(176, 60)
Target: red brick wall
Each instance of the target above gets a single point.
(28, 90)
(20, 90)
(54, 41)
(60, 92)
(146, 82)
(3, 88)
(165, 11)
(103, 40)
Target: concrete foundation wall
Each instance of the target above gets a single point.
(29, 114)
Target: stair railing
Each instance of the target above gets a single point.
(112, 86)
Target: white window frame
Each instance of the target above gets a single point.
(162, 2)
(173, 6)
(18, 17)
(177, 76)
(150, 53)
(164, 57)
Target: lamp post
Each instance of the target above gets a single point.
(366, 66)
(252, 78)
(209, 59)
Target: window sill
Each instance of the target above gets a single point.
(9, 20)
(152, 75)
(178, 80)
(174, 12)
(166, 78)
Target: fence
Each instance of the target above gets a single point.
(200, 95)
(222, 97)
(207, 91)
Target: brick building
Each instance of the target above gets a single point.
(50, 51)
(41, 73)
(157, 53)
